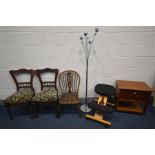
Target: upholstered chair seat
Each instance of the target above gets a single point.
(20, 97)
(46, 95)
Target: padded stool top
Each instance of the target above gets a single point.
(105, 90)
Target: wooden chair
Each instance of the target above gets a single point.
(25, 90)
(49, 93)
(69, 82)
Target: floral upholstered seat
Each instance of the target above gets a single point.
(21, 96)
(46, 95)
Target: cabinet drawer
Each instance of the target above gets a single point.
(133, 95)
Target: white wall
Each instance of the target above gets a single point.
(118, 53)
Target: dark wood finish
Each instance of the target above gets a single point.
(46, 84)
(131, 95)
(51, 83)
(29, 84)
(69, 82)
(15, 73)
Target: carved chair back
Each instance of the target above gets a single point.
(69, 81)
(19, 85)
(50, 83)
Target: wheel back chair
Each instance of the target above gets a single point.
(49, 93)
(25, 90)
(103, 104)
(69, 82)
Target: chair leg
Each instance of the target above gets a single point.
(9, 112)
(36, 110)
(31, 111)
(79, 111)
(58, 107)
(55, 110)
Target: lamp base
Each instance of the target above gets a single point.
(85, 108)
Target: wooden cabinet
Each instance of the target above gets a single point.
(132, 96)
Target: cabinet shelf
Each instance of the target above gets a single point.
(132, 107)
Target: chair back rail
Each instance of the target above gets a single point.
(69, 81)
(19, 85)
(51, 83)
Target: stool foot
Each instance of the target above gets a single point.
(98, 119)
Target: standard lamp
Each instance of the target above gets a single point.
(87, 46)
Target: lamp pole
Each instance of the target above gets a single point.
(87, 46)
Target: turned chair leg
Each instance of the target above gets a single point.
(9, 112)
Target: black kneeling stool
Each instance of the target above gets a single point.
(103, 103)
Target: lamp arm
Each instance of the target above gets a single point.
(84, 49)
(91, 45)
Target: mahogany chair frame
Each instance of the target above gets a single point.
(20, 85)
(46, 84)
